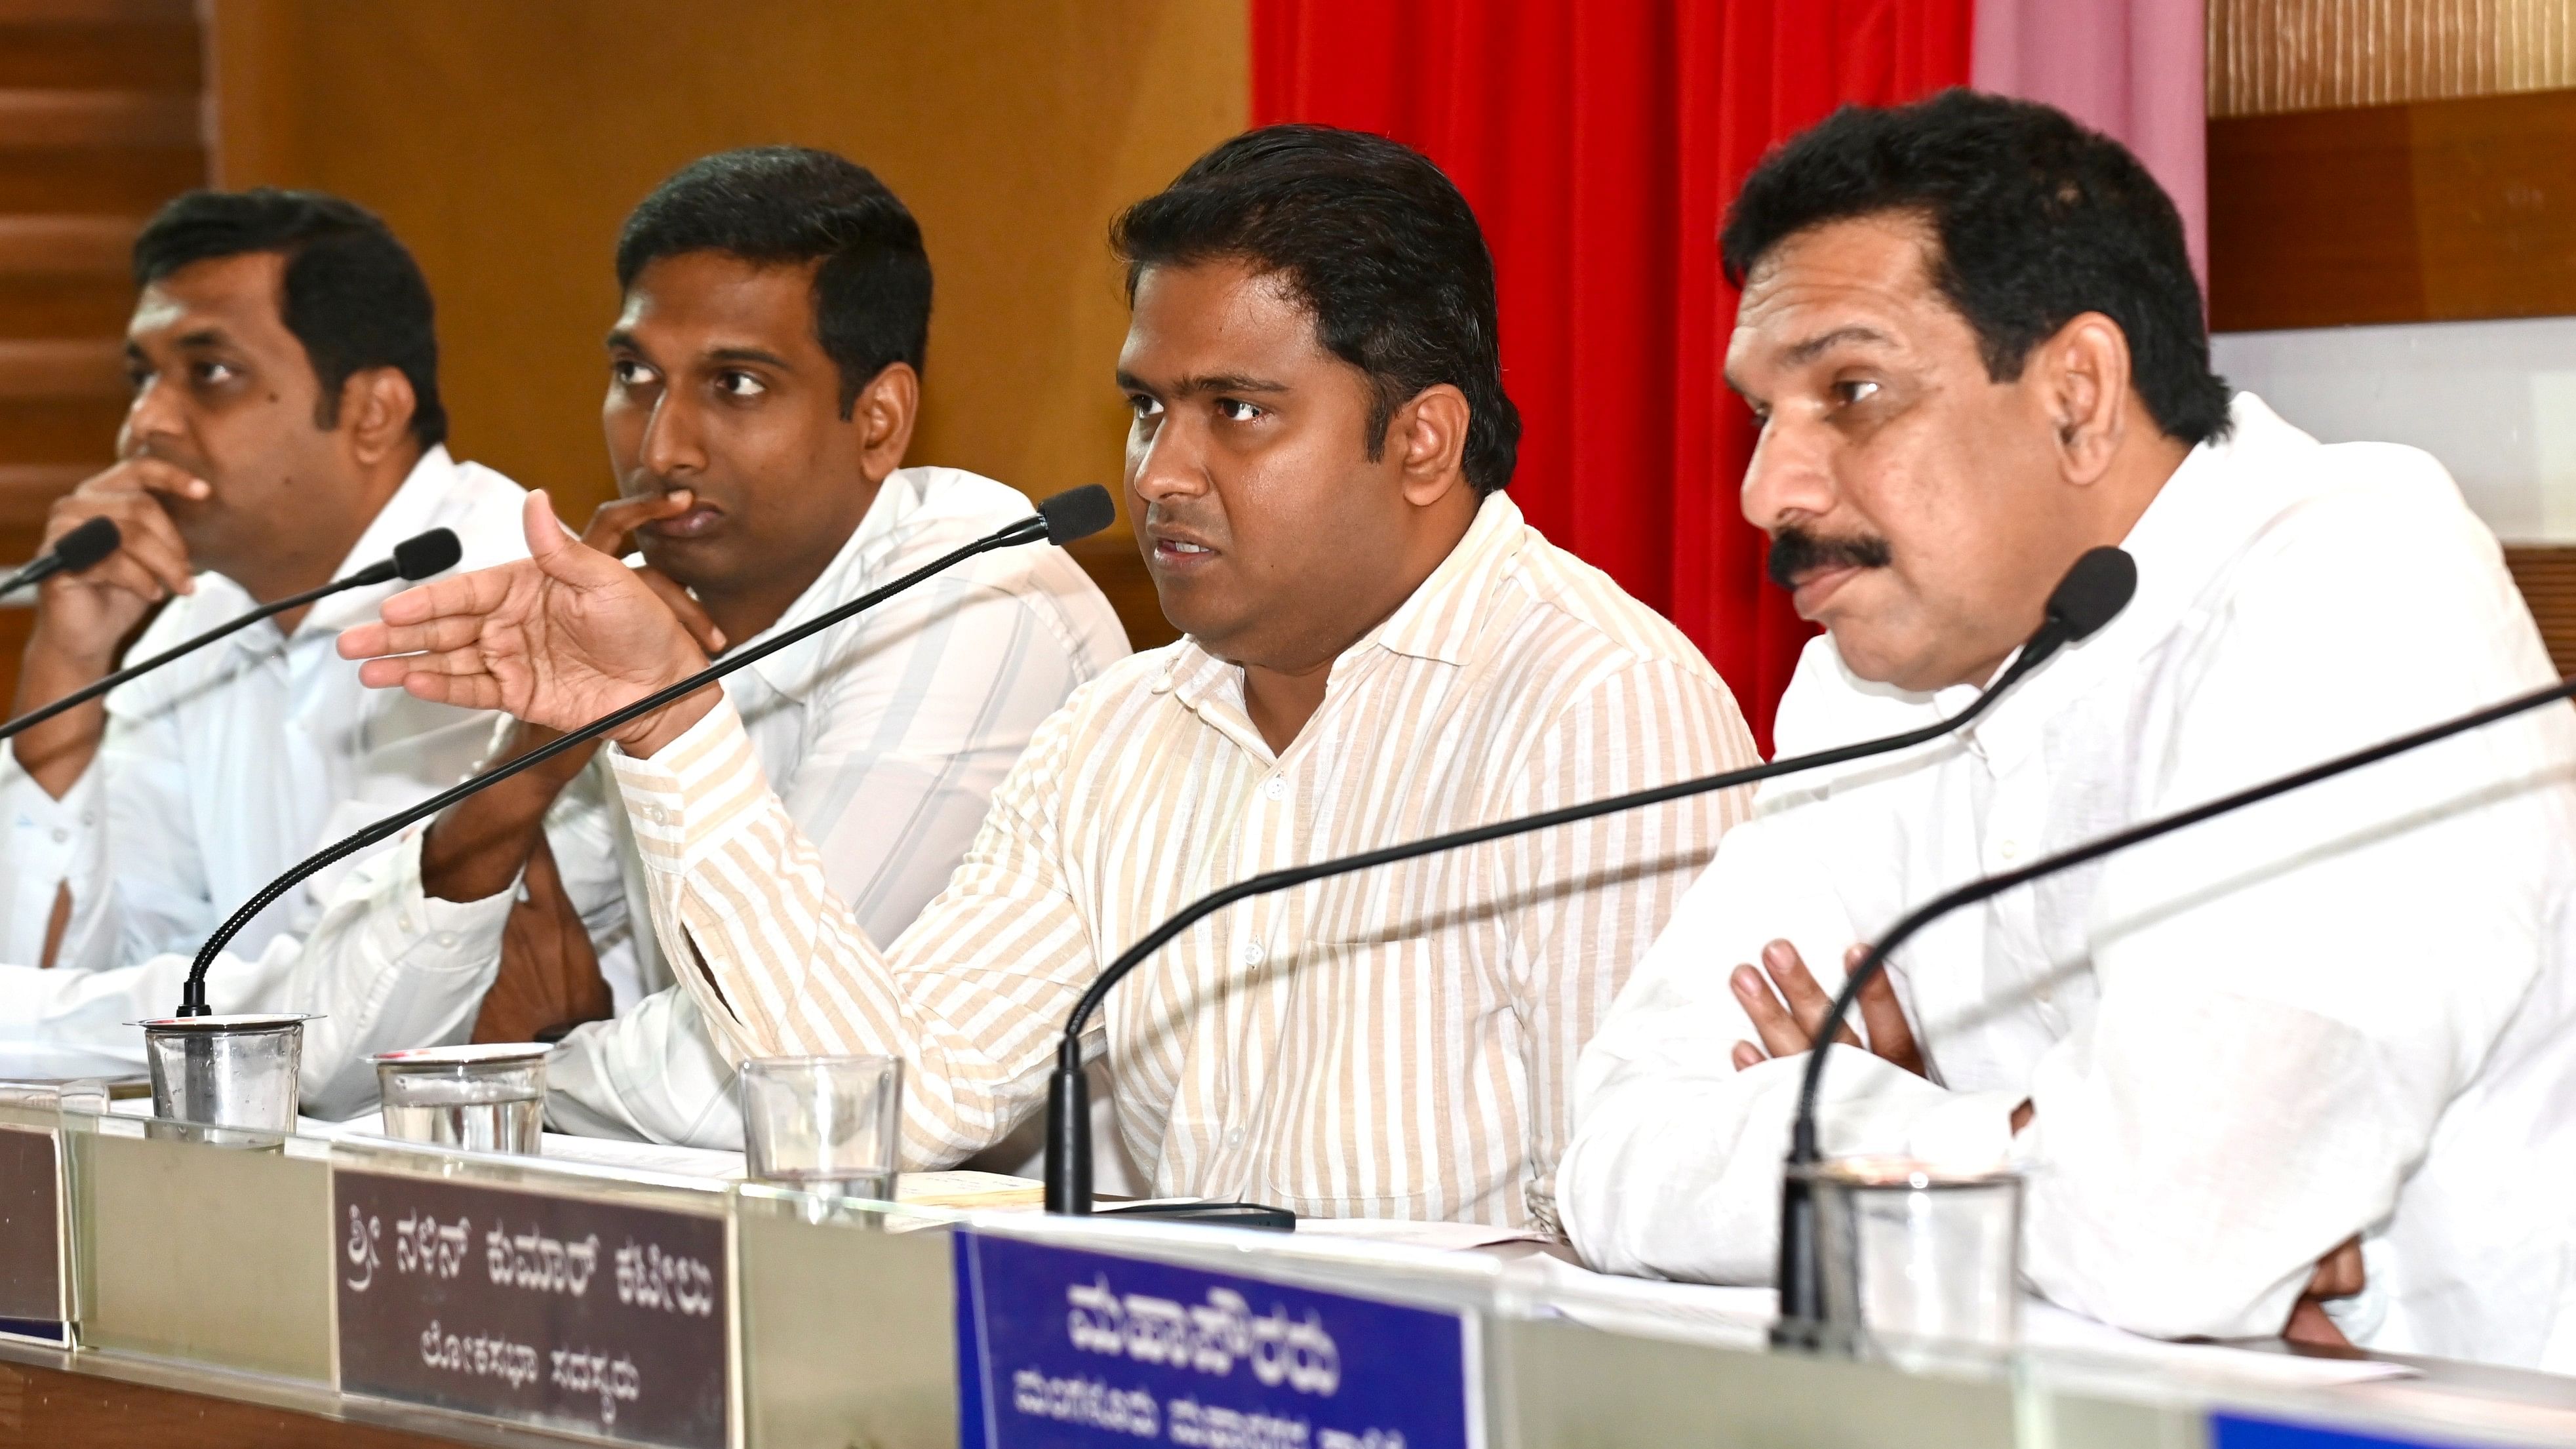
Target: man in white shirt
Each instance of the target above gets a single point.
(1378, 649)
(764, 379)
(285, 429)
(2307, 1068)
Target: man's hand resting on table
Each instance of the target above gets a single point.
(557, 639)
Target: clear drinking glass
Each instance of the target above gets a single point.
(824, 1125)
(214, 1072)
(1918, 1259)
(489, 1097)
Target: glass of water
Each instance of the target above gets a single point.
(830, 1126)
(1919, 1261)
(489, 1097)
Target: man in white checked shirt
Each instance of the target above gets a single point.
(1378, 649)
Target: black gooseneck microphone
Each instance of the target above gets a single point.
(2095, 588)
(1801, 1323)
(1075, 513)
(74, 551)
(415, 558)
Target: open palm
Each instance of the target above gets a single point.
(558, 638)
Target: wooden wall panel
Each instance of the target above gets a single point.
(2548, 580)
(2288, 55)
(2429, 211)
(506, 141)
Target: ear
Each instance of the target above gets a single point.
(376, 404)
(2083, 376)
(884, 412)
(1428, 437)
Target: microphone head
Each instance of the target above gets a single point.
(1077, 513)
(2093, 591)
(87, 544)
(421, 555)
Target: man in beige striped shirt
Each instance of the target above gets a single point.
(1378, 649)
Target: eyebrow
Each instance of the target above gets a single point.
(1195, 386)
(1814, 347)
(201, 337)
(621, 340)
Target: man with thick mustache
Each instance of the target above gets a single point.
(2302, 1068)
(1378, 648)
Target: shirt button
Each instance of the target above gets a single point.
(1234, 1137)
(656, 814)
(2009, 850)
(61, 835)
(447, 939)
(404, 921)
(1250, 953)
(1275, 788)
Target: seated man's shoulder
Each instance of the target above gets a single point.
(941, 509)
(2366, 495)
(1550, 602)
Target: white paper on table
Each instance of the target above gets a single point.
(1446, 1237)
(981, 1191)
(1741, 1318)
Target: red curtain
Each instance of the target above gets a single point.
(1600, 141)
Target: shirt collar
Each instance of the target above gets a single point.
(2217, 500)
(410, 510)
(1436, 622)
(860, 565)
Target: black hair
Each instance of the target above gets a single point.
(352, 293)
(2038, 220)
(796, 205)
(1375, 241)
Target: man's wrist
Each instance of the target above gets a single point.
(58, 666)
(643, 738)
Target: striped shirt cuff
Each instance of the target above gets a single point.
(695, 794)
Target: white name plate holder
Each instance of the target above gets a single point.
(35, 1252)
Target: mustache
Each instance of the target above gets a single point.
(1795, 551)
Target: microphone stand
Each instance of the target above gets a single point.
(1067, 516)
(1801, 1272)
(2097, 587)
(440, 546)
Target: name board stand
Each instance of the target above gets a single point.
(1096, 1343)
(553, 1296)
(35, 1209)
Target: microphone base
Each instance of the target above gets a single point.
(1068, 1141)
(1808, 1335)
(1215, 1214)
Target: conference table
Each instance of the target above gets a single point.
(333, 1287)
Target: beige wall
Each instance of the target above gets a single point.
(506, 139)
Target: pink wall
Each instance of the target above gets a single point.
(2128, 68)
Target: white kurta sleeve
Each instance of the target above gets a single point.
(1674, 1170)
(402, 971)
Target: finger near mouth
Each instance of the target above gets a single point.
(688, 524)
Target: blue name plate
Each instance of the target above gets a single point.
(1060, 1346)
(2246, 1431)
